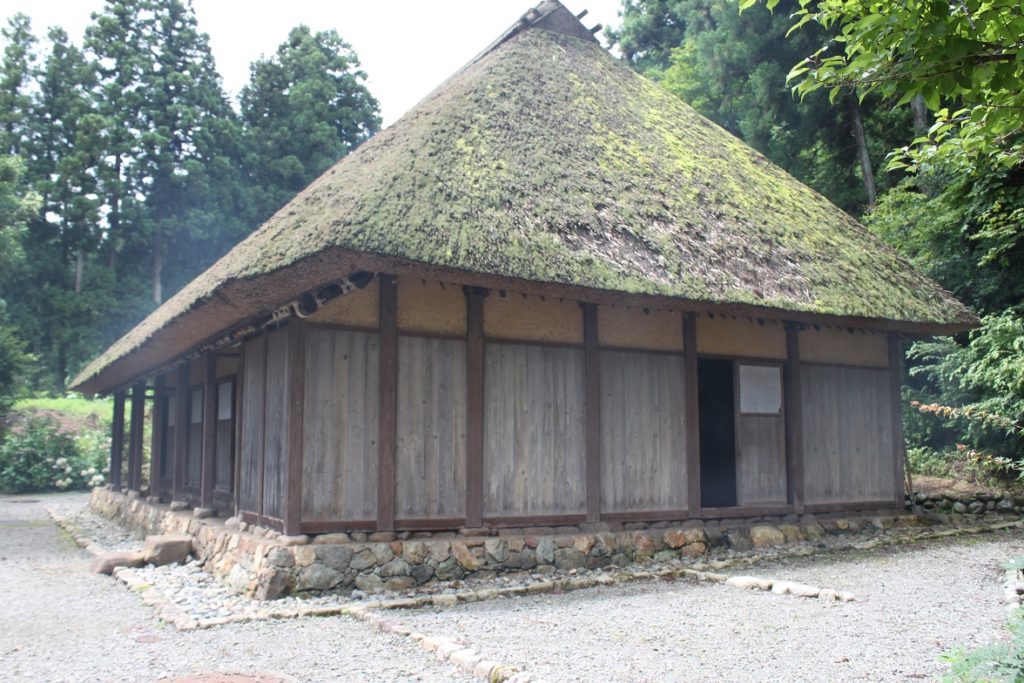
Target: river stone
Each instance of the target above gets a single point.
(692, 550)
(749, 583)
(762, 536)
(812, 531)
(497, 549)
(369, 583)
(166, 549)
(465, 557)
(334, 556)
(399, 583)
(281, 557)
(273, 583)
(421, 573)
(1005, 505)
(332, 539)
(396, 567)
(643, 545)
(364, 559)
(528, 558)
(107, 562)
(317, 577)
(545, 550)
(414, 552)
(791, 532)
(675, 538)
(448, 570)
(959, 508)
(737, 540)
(568, 558)
(383, 552)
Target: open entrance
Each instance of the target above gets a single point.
(717, 407)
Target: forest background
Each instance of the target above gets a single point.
(125, 170)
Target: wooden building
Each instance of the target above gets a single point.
(551, 293)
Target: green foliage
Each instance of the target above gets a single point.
(38, 455)
(963, 58)
(306, 107)
(96, 411)
(997, 662)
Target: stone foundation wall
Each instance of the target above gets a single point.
(263, 564)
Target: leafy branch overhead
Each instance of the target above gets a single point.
(963, 58)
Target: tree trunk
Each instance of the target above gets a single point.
(79, 267)
(920, 110)
(862, 151)
(115, 215)
(158, 266)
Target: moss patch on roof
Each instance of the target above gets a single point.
(549, 160)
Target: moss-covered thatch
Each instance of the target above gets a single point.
(549, 160)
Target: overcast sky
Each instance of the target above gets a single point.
(407, 47)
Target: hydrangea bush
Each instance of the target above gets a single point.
(38, 454)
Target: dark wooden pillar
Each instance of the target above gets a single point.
(592, 364)
(135, 436)
(474, 406)
(236, 455)
(181, 427)
(209, 455)
(794, 419)
(387, 415)
(157, 440)
(896, 393)
(117, 441)
(692, 398)
(296, 406)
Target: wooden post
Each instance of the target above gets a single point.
(181, 427)
(135, 438)
(237, 452)
(158, 431)
(296, 406)
(692, 398)
(896, 393)
(388, 394)
(209, 456)
(474, 406)
(117, 442)
(592, 364)
(794, 419)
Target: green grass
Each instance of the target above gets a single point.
(73, 405)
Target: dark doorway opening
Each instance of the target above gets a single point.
(717, 433)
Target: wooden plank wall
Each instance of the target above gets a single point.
(847, 435)
(431, 457)
(194, 452)
(534, 430)
(339, 478)
(275, 437)
(251, 446)
(761, 465)
(643, 432)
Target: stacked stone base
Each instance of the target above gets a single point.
(260, 563)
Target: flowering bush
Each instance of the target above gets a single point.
(37, 454)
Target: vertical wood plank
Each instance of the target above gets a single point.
(296, 403)
(474, 407)
(896, 400)
(692, 416)
(135, 439)
(262, 467)
(239, 426)
(117, 442)
(181, 426)
(158, 437)
(592, 372)
(387, 394)
(209, 456)
(793, 410)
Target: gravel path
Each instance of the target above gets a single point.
(59, 622)
(914, 603)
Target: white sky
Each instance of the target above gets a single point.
(407, 47)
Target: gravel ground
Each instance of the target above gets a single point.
(61, 623)
(914, 603)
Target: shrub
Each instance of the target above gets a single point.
(996, 662)
(37, 454)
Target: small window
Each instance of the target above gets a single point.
(760, 389)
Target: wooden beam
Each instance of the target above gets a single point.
(899, 445)
(692, 398)
(794, 419)
(474, 407)
(117, 442)
(209, 455)
(388, 395)
(157, 440)
(296, 405)
(135, 438)
(592, 364)
(181, 427)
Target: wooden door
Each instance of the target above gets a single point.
(760, 435)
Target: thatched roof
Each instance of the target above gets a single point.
(547, 160)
